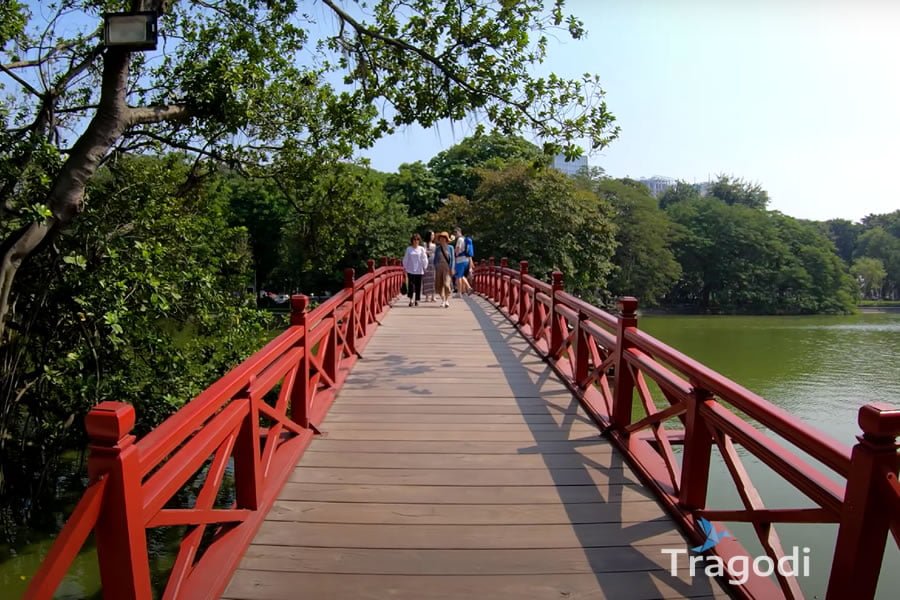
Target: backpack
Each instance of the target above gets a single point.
(470, 248)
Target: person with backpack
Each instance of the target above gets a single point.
(463, 246)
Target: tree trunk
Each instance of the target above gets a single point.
(66, 196)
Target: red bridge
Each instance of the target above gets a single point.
(509, 447)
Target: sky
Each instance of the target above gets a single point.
(800, 96)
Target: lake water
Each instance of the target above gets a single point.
(821, 369)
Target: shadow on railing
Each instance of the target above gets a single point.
(259, 417)
(607, 362)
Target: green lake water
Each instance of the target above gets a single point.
(821, 369)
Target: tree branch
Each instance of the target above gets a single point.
(30, 88)
(144, 115)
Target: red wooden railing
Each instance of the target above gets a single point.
(607, 362)
(133, 482)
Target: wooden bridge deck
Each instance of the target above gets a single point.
(455, 465)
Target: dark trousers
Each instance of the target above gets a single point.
(415, 285)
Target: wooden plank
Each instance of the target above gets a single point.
(454, 562)
(464, 477)
(449, 419)
(592, 444)
(651, 585)
(450, 462)
(356, 535)
(518, 434)
(466, 514)
(486, 494)
(372, 399)
(348, 426)
(449, 409)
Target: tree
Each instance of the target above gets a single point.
(142, 300)
(455, 212)
(735, 258)
(844, 235)
(262, 208)
(871, 275)
(415, 186)
(679, 192)
(457, 168)
(239, 81)
(735, 191)
(878, 243)
(539, 215)
(645, 265)
(341, 217)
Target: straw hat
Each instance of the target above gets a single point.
(443, 234)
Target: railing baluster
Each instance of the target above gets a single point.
(121, 538)
(866, 515)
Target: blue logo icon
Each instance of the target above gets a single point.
(713, 537)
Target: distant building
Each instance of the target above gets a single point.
(658, 185)
(569, 167)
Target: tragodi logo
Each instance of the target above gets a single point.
(739, 568)
(713, 537)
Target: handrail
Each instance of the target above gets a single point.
(606, 361)
(133, 482)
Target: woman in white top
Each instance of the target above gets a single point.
(415, 261)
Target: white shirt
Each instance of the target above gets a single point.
(415, 261)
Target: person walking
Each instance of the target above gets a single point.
(443, 266)
(415, 261)
(462, 263)
(428, 279)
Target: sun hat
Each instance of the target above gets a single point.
(443, 234)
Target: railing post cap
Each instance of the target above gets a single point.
(299, 303)
(371, 265)
(504, 262)
(384, 261)
(349, 275)
(523, 266)
(879, 420)
(557, 278)
(109, 422)
(628, 306)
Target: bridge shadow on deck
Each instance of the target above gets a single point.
(624, 487)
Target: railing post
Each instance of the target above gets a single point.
(349, 284)
(624, 385)
(523, 271)
(371, 310)
(556, 332)
(698, 444)
(247, 475)
(300, 393)
(866, 513)
(120, 534)
(492, 283)
(580, 349)
(504, 286)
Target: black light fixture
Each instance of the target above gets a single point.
(131, 30)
